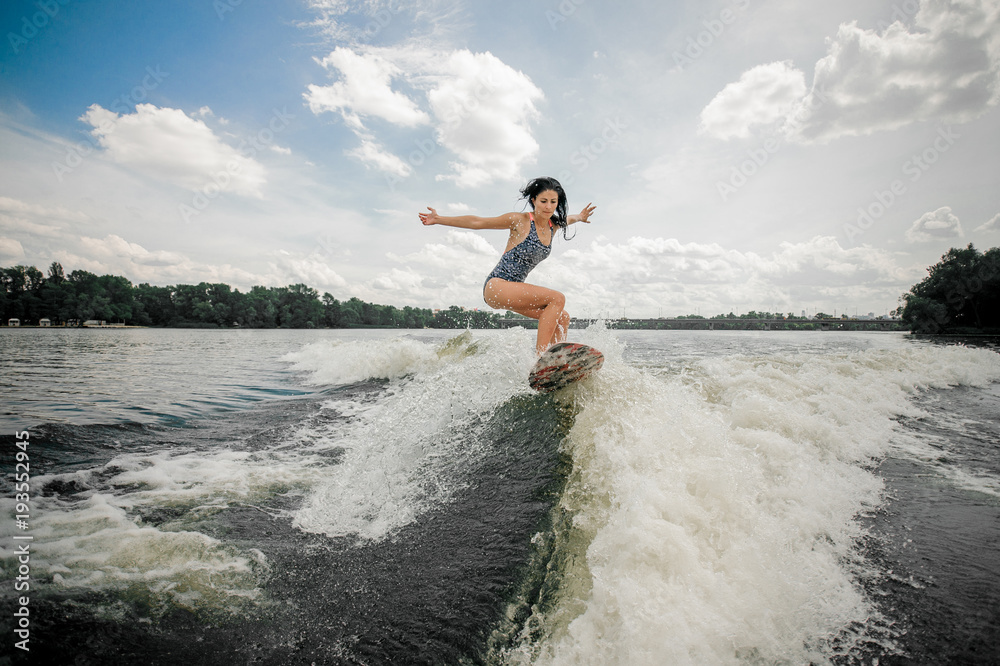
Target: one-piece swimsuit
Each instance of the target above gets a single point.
(517, 262)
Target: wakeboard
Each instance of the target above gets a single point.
(562, 364)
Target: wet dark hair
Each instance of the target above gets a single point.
(539, 185)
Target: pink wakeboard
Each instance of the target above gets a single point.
(562, 364)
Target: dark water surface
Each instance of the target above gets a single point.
(940, 540)
(383, 497)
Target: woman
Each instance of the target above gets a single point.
(530, 241)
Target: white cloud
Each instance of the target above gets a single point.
(823, 258)
(762, 95)
(480, 108)
(441, 273)
(330, 17)
(940, 224)
(23, 208)
(667, 261)
(28, 219)
(462, 251)
(117, 256)
(364, 89)
(650, 275)
(116, 247)
(473, 243)
(399, 281)
(363, 21)
(484, 109)
(373, 154)
(169, 145)
(11, 250)
(946, 67)
(992, 225)
(312, 270)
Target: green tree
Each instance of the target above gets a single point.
(87, 300)
(191, 304)
(960, 292)
(224, 302)
(57, 300)
(260, 308)
(925, 315)
(331, 310)
(56, 273)
(27, 294)
(118, 291)
(298, 307)
(453, 317)
(23, 287)
(156, 305)
(350, 312)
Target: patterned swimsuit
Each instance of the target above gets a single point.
(517, 262)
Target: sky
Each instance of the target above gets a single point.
(769, 155)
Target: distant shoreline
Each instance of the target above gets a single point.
(892, 326)
(995, 335)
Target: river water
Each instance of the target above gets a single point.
(402, 497)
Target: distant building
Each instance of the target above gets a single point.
(95, 322)
(13, 322)
(45, 321)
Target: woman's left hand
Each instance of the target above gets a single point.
(584, 215)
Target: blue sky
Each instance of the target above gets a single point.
(743, 154)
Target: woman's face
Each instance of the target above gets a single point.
(546, 202)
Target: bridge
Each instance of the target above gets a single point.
(684, 324)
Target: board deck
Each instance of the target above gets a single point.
(562, 364)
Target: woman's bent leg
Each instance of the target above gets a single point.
(545, 305)
(562, 329)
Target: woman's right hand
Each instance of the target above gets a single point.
(429, 218)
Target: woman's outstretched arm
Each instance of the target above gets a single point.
(468, 221)
(583, 216)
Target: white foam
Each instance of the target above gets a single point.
(335, 362)
(98, 546)
(714, 509)
(936, 454)
(713, 501)
(405, 453)
(136, 527)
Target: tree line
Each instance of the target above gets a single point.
(29, 295)
(961, 294)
